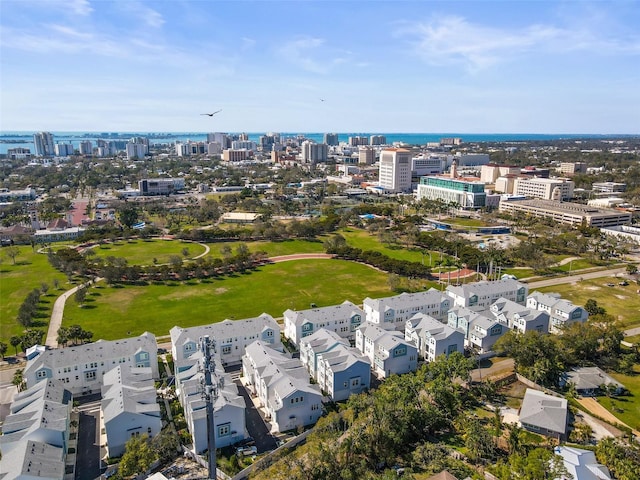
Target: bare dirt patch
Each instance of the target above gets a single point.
(220, 290)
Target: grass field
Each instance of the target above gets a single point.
(362, 239)
(626, 407)
(16, 281)
(465, 222)
(113, 313)
(273, 249)
(142, 252)
(621, 302)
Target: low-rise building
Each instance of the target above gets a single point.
(282, 386)
(464, 193)
(314, 345)
(581, 464)
(388, 351)
(591, 381)
(544, 414)
(432, 337)
(392, 313)
(342, 372)
(82, 367)
(129, 406)
(480, 295)
(562, 312)
(518, 317)
(160, 186)
(342, 319)
(484, 332)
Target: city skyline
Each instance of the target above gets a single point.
(476, 67)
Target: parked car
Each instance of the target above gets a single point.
(247, 451)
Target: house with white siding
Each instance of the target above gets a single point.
(518, 317)
(228, 409)
(392, 313)
(562, 312)
(432, 337)
(387, 350)
(282, 386)
(231, 336)
(481, 295)
(82, 367)
(461, 318)
(313, 346)
(129, 406)
(35, 434)
(342, 319)
(484, 332)
(342, 372)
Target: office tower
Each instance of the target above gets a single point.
(331, 139)
(44, 145)
(395, 170)
(378, 140)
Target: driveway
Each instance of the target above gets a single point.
(88, 450)
(256, 426)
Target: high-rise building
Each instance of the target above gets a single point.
(366, 155)
(136, 150)
(85, 147)
(314, 152)
(378, 140)
(357, 141)
(395, 170)
(44, 145)
(63, 149)
(331, 139)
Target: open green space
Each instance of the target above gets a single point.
(116, 312)
(465, 222)
(273, 249)
(620, 301)
(143, 252)
(16, 281)
(363, 240)
(575, 265)
(626, 407)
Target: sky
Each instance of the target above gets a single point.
(320, 66)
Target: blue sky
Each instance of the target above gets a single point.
(380, 66)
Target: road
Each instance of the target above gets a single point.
(577, 278)
(88, 450)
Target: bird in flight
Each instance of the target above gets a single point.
(211, 114)
(322, 99)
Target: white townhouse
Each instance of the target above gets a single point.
(342, 372)
(82, 367)
(314, 345)
(388, 351)
(391, 313)
(129, 406)
(432, 337)
(520, 318)
(228, 409)
(282, 386)
(562, 312)
(484, 332)
(342, 319)
(461, 318)
(480, 295)
(231, 336)
(35, 434)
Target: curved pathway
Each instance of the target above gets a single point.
(300, 256)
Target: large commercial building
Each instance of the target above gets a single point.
(545, 188)
(231, 155)
(609, 187)
(136, 150)
(366, 155)
(491, 172)
(395, 170)
(429, 165)
(63, 149)
(453, 190)
(314, 152)
(571, 168)
(331, 139)
(356, 141)
(160, 186)
(565, 212)
(44, 145)
(377, 140)
(85, 147)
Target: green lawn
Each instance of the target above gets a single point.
(16, 281)
(621, 302)
(363, 240)
(113, 313)
(142, 252)
(273, 249)
(465, 222)
(626, 407)
(575, 265)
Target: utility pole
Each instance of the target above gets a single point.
(210, 392)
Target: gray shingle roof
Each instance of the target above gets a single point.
(544, 411)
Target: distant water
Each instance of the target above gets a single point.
(25, 139)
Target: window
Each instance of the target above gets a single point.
(226, 349)
(497, 330)
(224, 429)
(189, 347)
(90, 375)
(144, 356)
(355, 382)
(269, 333)
(41, 374)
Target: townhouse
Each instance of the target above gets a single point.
(562, 312)
(480, 295)
(129, 406)
(81, 368)
(313, 346)
(484, 332)
(282, 386)
(342, 372)
(231, 336)
(342, 319)
(392, 313)
(432, 337)
(387, 350)
(518, 317)
(35, 434)
(228, 409)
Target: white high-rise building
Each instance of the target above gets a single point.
(331, 139)
(85, 147)
(366, 155)
(377, 140)
(63, 149)
(136, 150)
(545, 188)
(395, 170)
(314, 152)
(44, 145)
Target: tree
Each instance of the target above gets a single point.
(63, 336)
(18, 379)
(138, 456)
(12, 252)
(592, 307)
(538, 464)
(3, 349)
(81, 295)
(15, 342)
(31, 337)
(75, 332)
(166, 445)
(44, 288)
(632, 269)
(128, 215)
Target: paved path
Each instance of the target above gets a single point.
(632, 332)
(499, 366)
(577, 277)
(592, 405)
(300, 256)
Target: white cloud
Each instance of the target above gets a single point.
(453, 39)
(151, 17)
(247, 43)
(80, 7)
(299, 53)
